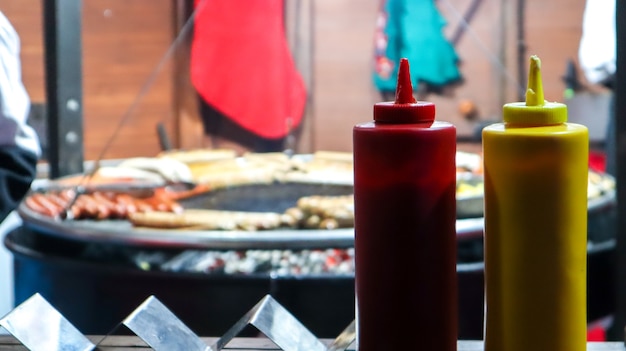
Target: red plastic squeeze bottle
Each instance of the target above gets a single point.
(405, 215)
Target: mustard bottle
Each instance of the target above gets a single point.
(536, 173)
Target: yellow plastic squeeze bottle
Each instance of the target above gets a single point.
(536, 173)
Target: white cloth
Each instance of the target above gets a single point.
(6, 267)
(14, 109)
(596, 53)
(14, 101)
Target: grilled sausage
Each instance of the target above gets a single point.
(33, 203)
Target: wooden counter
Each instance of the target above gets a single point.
(131, 343)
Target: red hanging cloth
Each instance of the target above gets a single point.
(241, 65)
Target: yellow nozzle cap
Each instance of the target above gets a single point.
(535, 110)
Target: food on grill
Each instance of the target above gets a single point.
(228, 174)
(468, 163)
(198, 156)
(42, 205)
(324, 166)
(599, 184)
(277, 158)
(169, 169)
(210, 170)
(98, 204)
(210, 220)
(221, 169)
(325, 212)
(312, 212)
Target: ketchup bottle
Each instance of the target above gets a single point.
(536, 174)
(405, 215)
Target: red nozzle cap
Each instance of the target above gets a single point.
(404, 87)
(405, 109)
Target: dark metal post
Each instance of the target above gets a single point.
(620, 135)
(64, 91)
(522, 60)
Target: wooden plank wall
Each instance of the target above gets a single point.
(123, 40)
(122, 43)
(344, 94)
(26, 17)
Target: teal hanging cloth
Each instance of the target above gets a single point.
(413, 29)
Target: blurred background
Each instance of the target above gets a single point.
(332, 44)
